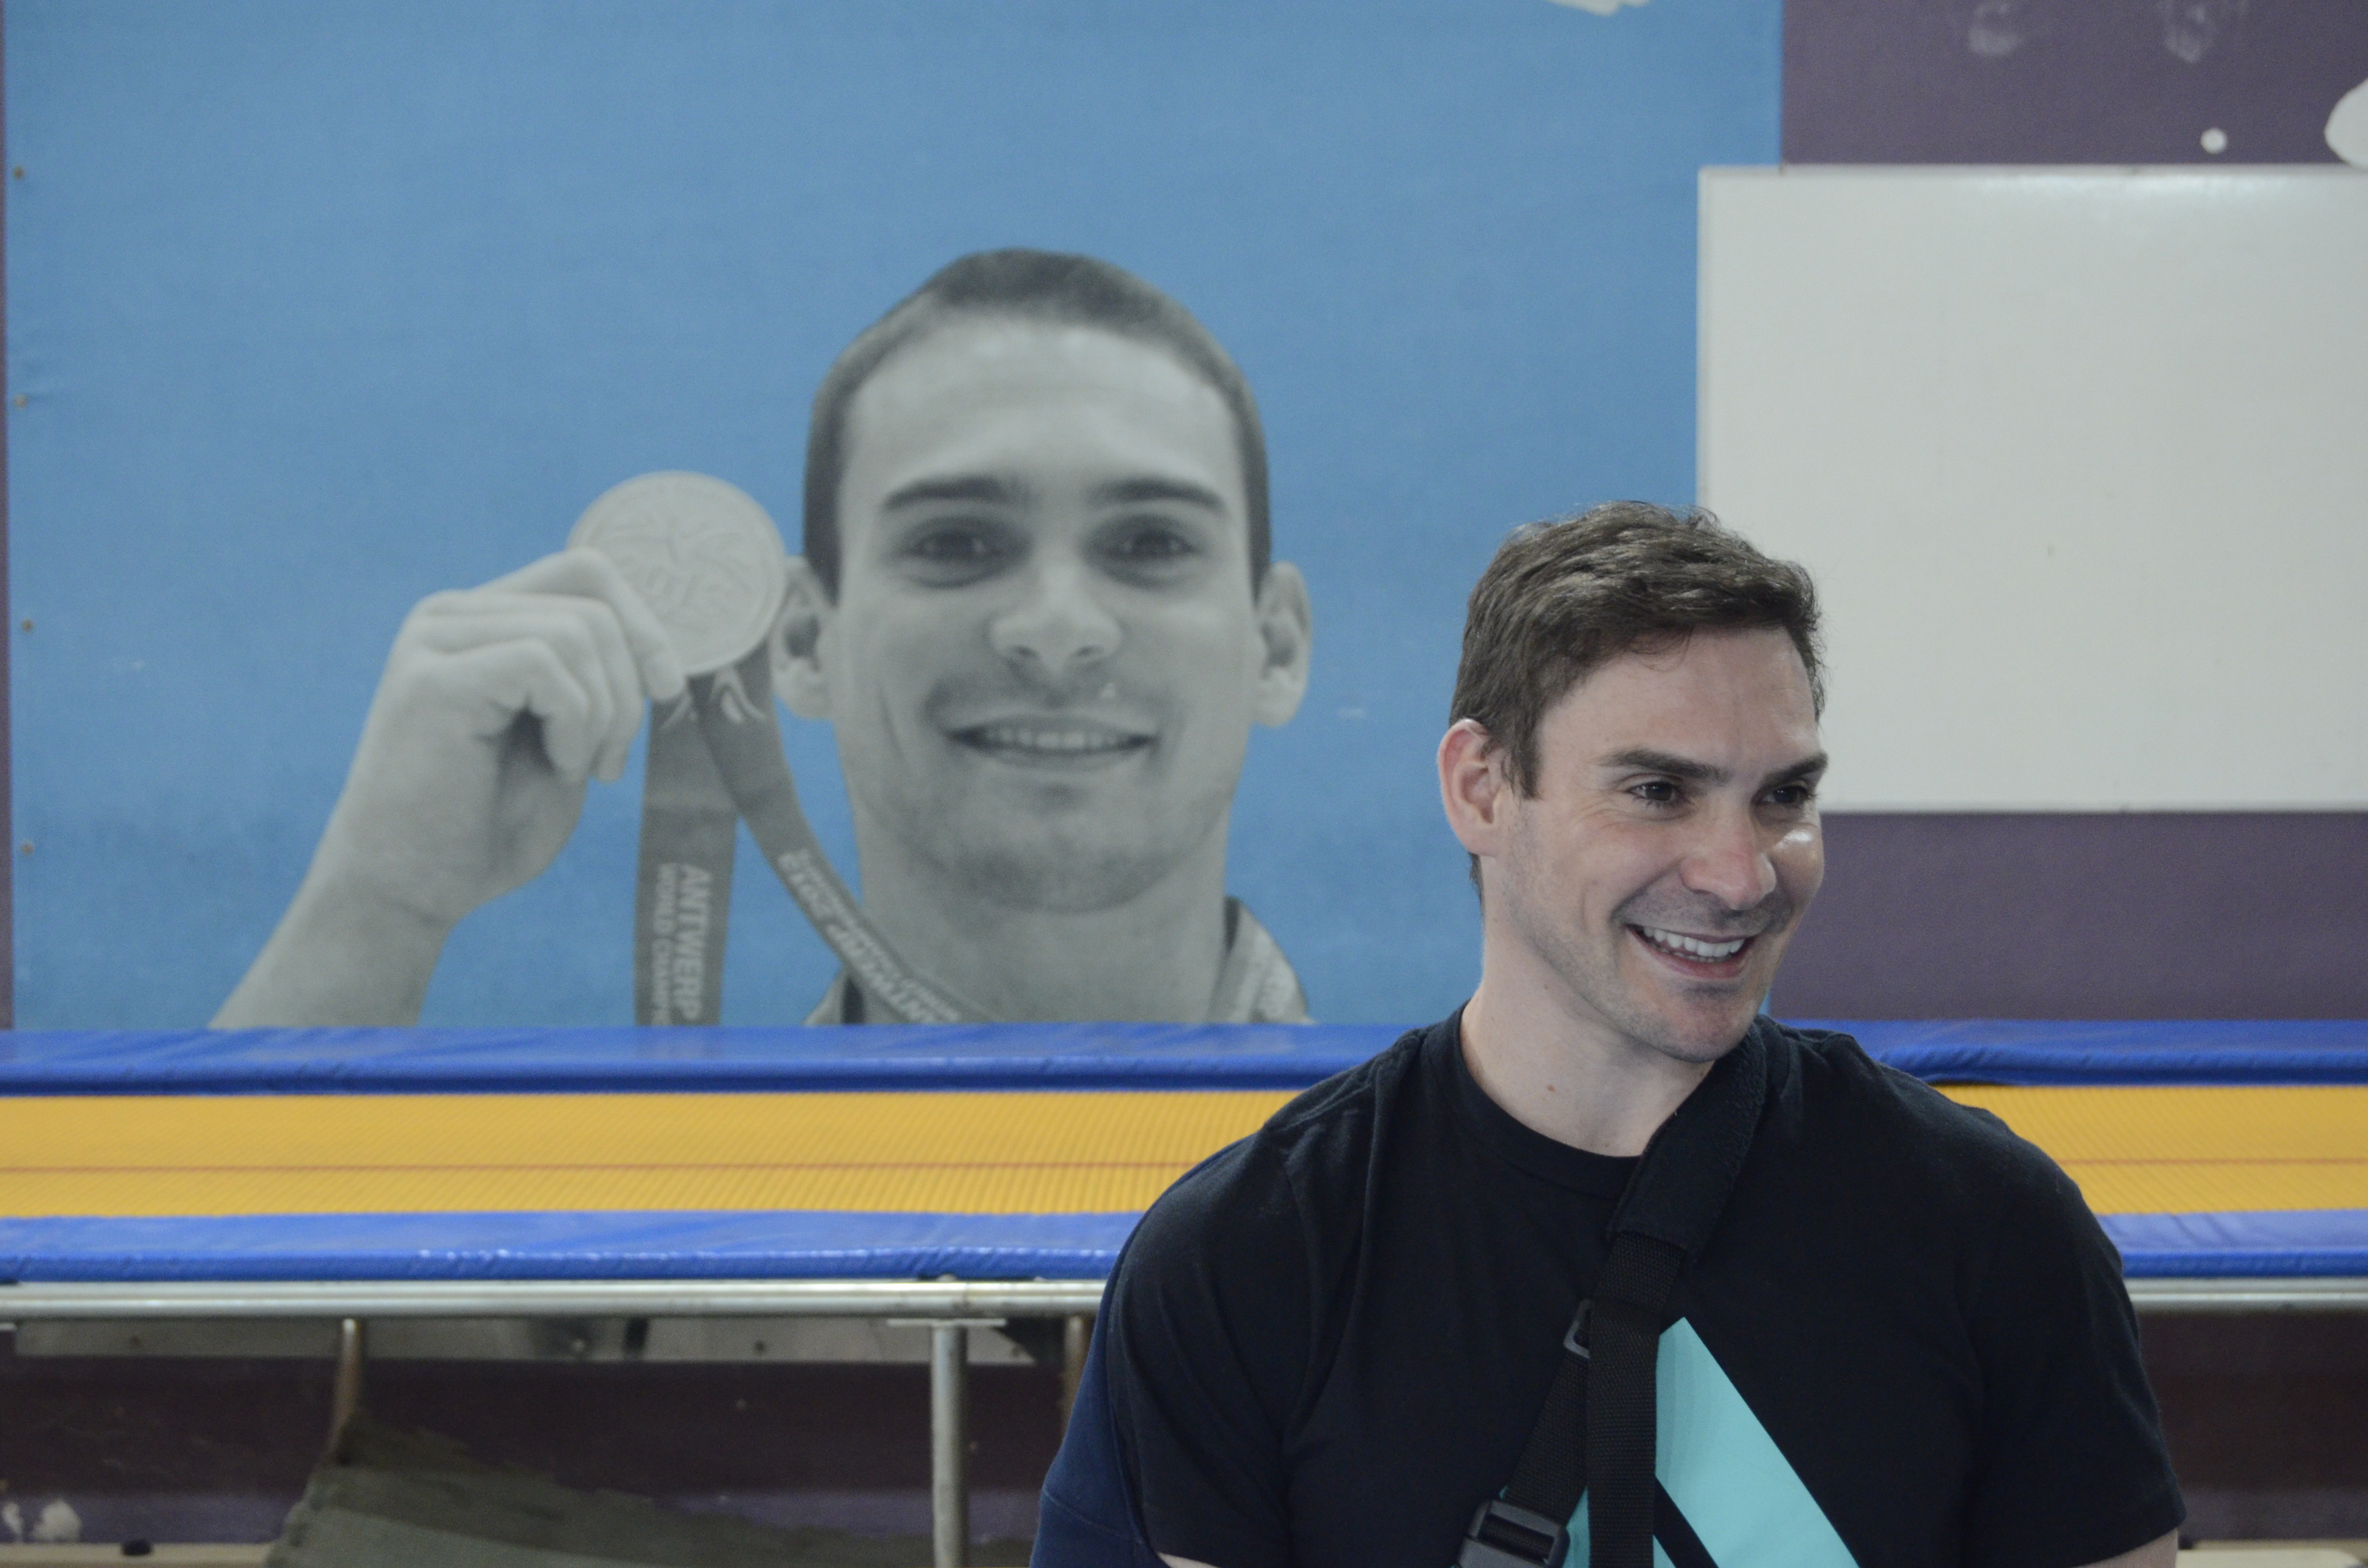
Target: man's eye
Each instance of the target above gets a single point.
(1792, 796)
(1149, 550)
(957, 553)
(1658, 792)
(1151, 544)
(952, 546)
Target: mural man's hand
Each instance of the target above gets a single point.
(498, 704)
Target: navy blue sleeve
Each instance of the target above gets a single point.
(2074, 1468)
(1087, 1517)
(1200, 1357)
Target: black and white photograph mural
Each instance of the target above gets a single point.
(1037, 601)
(549, 514)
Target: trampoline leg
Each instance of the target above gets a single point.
(345, 1393)
(950, 1444)
(1077, 1336)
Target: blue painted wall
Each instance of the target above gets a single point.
(318, 308)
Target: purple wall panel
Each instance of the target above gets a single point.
(7, 815)
(2156, 915)
(2067, 81)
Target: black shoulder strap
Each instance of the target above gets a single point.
(1598, 1420)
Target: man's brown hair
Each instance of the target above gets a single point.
(1563, 598)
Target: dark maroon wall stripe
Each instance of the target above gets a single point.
(2067, 81)
(2142, 914)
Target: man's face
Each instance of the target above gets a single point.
(1045, 659)
(1673, 845)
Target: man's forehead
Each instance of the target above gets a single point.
(1012, 377)
(1711, 688)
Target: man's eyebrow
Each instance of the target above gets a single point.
(1152, 487)
(1643, 759)
(1809, 770)
(994, 488)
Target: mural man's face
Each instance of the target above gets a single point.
(1045, 655)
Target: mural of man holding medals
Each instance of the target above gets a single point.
(1036, 602)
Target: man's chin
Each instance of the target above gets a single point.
(1705, 1048)
(1699, 1029)
(1067, 875)
(1695, 1019)
(1074, 846)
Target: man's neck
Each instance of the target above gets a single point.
(1152, 959)
(1558, 1070)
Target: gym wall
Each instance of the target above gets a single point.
(313, 311)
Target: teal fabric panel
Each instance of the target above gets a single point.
(1724, 1472)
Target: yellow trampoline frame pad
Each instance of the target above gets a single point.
(2196, 1149)
(2170, 1150)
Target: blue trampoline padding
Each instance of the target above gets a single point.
(807, 1245)
(658, 1061)
(1058, 1056)
(737, 1245)
(2015, 1050)
(2280, 1244)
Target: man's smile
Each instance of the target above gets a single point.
(1700, 958)
(1049, 741)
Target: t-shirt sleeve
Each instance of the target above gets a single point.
(2074, 1468)
(1208, 1328)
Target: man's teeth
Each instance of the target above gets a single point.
(1018, 737)
(1692, 947)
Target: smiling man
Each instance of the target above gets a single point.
(1608, 1268)
(1036, 602)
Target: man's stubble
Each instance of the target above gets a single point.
(1587, 963)
(1021, 839)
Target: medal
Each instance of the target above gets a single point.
(703, 556)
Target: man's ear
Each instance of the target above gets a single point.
(1286, 624)
(1473, 787)
(798, 638)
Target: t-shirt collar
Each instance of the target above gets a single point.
(1493, 1128)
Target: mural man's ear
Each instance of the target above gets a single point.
(1287, 626)
(797, 635)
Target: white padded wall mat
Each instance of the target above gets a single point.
(2079, 457)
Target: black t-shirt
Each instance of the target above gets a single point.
(1906, 1343)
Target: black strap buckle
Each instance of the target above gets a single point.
(1574, 1339)
(1503, 1536)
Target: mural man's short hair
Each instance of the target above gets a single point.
(1563, 598)
(1027, 285)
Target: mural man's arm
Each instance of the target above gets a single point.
(498, 706)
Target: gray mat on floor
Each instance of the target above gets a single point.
(389, 1499)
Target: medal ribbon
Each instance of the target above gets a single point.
(714, 758)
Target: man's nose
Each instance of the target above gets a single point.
(1059, 627)
(1729, 861)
